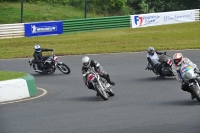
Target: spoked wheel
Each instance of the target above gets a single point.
(195, 90)
(63, 68)
(102, 93)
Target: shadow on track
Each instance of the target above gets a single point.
(155, 79)
(89, 99)
(48, 75)
(178, 103)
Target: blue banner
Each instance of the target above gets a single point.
(43, 28)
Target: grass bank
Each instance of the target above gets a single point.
(40, 11)
(7, 75)
(168, 37)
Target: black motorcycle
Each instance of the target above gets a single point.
(165, 66)
(50, 65)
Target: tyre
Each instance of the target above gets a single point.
(111, 92)
(101, 92)
(195, 90)
(63, 68)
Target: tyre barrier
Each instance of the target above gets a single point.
(16, 89)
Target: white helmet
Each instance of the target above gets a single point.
(150, 50)
(86, 61)
(178, 59)
(37, 48)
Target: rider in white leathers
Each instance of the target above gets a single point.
(152, 58)
(179, 61)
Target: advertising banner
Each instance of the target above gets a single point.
(43, 28)
(153, 19)
(179, 17)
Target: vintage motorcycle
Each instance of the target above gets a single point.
(50, 65)
(166, 64)
(100, 84)
(192, 79)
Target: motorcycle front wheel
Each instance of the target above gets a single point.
(102, 93)
(195, 90)
(63, 68)
(111, 93)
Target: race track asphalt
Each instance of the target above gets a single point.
(143, 102)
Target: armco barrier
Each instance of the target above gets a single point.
(197, 14)
(96, 23)
(11, 30)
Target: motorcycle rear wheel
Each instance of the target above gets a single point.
(195, 91)
(101, 92)
(63, 68)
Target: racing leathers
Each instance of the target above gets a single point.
(39, 59)
(176, 72)
(153, 61)
(99, 69)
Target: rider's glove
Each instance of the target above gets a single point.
(100, 72)
(196, 69)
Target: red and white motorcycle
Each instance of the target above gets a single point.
(100, 84)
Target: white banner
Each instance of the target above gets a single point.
(153, 19)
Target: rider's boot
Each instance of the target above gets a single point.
(192, 96)
(107, 77)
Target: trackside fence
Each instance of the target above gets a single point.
(197, 14)
(11, 30)
(76, 25)
(96, 23)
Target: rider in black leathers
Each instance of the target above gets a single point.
(38, 58)
(98, 68)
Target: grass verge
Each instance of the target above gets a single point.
(40, 11)
(168, 37)
(7, 75)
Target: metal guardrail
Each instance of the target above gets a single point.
(11, 30)
(197, 14)
(96, 23)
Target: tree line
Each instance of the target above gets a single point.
(123, 7)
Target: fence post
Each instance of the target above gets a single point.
(22, 7)
(85, 12)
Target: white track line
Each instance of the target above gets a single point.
(27, 99)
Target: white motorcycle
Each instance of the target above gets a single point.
(100, 84)
(192, 79)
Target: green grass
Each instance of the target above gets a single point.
(35, 12)
(168, 37)
(7, 75)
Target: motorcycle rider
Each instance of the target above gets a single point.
(179, 61)
(152, 58)
(97, 67)
(38, 58)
